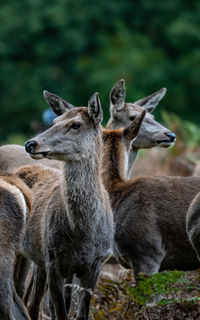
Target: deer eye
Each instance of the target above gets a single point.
(75, 125)
(132, 118)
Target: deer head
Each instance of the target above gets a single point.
(152, 133)
(74, 133)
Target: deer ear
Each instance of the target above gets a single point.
(118, 95)
(58, 104)
(151, 102)
(132, 131)
(94, 109)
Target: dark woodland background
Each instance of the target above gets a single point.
(75, 48)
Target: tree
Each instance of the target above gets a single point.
(74, 48)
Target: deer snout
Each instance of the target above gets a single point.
(30, 146)
(171, 136)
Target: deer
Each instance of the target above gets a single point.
(13, 156)
(149, 212)
(15, 200)
(151, 134)
(193, 224)
(70, 230)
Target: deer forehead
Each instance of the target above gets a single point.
(79, 114)
(134, 110)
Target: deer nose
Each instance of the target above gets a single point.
(30, 146)
(171, 136)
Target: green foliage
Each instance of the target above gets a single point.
(16, 139)
(147, 289)
(187, 133)
(162, 283)
(124, 300)
(74, 48)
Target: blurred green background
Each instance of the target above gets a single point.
(74, 48)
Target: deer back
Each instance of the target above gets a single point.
(13, 156)
(149, 213)
(15, 204)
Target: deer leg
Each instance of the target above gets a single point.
(68, 291)
(56, 289)
(88, 282)
(21, 270)
(6, 306)
(67, 295)
(20, 311)
(37, 292)
(52, 310)
(28, 290)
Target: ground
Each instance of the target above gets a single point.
(167, 296)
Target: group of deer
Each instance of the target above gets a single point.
(69, 214)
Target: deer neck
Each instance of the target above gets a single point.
(133, 154)
(82, 192)
(115, 164)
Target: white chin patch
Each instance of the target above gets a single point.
(36, 156)
(166, 144)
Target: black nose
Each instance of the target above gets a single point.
(171, 136)
(30, 146)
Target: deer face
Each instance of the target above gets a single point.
(74, 134)
(151, 133)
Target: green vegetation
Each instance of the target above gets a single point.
(74, 48)
(186, 131)
(124, 300)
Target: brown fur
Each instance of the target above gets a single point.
(193, 224)
(15, 181)
(149, 214)
(151, 134)
(70, 229)
(160, 162)
(12, 221)
(13, 156)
